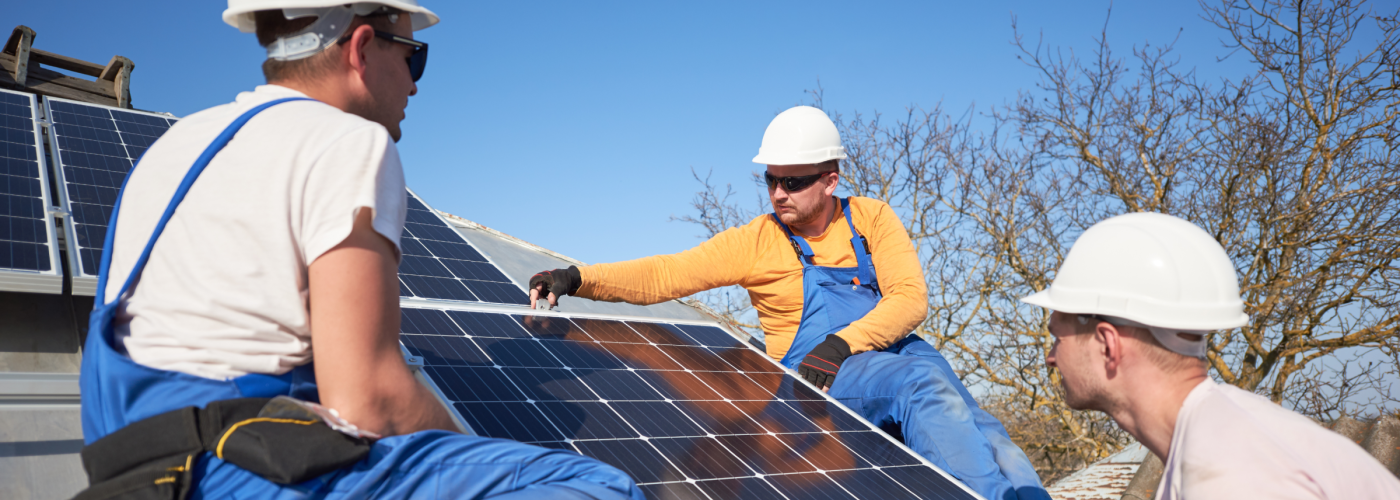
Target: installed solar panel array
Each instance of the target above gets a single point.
(438, 263)
(95, 147)
(28, 259)
(687, 410)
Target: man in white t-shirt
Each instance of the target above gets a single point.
(1132, 304)
(277, 275)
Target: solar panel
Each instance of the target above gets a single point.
(95, 147)
(28, 246)
(439, 264)
(686, 409)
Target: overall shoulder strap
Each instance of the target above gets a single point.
(861, 247)
(180, 192)
(799, 245)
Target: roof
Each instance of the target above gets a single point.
(520, 260)
(1105, 479)
(505, 252)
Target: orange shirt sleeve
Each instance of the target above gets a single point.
(720, 261)
(730, 257)
(904, 301)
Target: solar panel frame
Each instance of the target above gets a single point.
(13, 127)
(86, 189)
(477, 277)
(525, 406)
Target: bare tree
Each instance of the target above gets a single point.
(716, 211)
(1292, 167)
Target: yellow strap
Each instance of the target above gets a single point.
(167, 479)
(184, 468)
(219, 451)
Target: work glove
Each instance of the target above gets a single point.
(823, 361)
(554, 284)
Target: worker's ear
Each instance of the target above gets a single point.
(353, 50)
(1110, 344)
(834, 180)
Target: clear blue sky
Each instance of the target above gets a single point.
(574, 125)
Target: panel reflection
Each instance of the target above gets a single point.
(685, 412)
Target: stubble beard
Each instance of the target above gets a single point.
(1084, 396)
(802, 217)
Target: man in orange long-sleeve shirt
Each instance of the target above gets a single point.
(838, 287)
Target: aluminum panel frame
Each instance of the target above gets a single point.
(83, 283)
(27, 281)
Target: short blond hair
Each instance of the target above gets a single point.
(272, 24)
(1153, 350)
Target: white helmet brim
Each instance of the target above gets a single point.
(239, 13)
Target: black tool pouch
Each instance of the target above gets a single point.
(285, 444)
(153, 458)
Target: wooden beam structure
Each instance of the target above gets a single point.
(22, 68)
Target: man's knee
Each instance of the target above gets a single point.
(925, 374)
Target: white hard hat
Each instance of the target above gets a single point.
(1152, 269)
(240, 12)
(800, 136)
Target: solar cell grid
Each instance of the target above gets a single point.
(550, 384)
(670, 491)
(709, 336)
(95, 147)
(641, 356)
(487, 325)
(635, 457)
(814, 486)
(621, 385)
(923, 482)
(438, 263)
(873, 484)
(661, 333)
(607, 389)
(25, 225)
(609, 331)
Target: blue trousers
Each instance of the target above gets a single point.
(432, 465)
(911, 386)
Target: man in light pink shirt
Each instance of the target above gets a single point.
(1133, 303)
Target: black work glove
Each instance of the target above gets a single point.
(822, 363)
(554, 284)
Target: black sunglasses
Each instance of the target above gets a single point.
(418, 61)
(794, 183)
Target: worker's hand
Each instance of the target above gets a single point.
(824, 360)
(554, 284)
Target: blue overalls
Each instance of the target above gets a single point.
(908, 385)
(431, 464)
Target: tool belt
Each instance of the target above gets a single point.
(154, 458)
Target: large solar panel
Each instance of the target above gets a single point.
(95, 147)
(439, 264)
(28, 246)
(687, 410)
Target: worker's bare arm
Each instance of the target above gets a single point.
(354, 334)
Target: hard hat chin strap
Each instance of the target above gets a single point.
(1167, 336)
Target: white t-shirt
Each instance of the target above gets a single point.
(1233, 444)
(225, 292)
